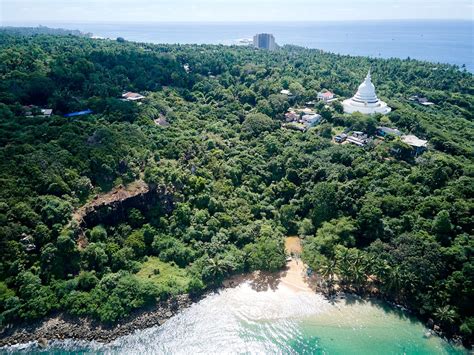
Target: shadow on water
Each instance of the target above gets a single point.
(351, 299)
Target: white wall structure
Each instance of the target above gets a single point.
(365, 100)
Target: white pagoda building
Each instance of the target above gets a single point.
(365, 100)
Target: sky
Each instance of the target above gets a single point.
(34, 12)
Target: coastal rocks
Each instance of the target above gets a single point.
(430, 323)
(63, 326)
(457, 340)
(42, 342)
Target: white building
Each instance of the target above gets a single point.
(326, 96)
(264, 41)
(358, 138)
(418, 145)
(421, 100)
(311, 120)
(46, 112)
(365, 100)
(32, 110)
(287, 93)
(132, 96)
(414, 141)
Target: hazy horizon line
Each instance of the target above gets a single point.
(49, 23)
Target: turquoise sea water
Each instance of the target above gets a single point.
(432, 40)
(242, 320)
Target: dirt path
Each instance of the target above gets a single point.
(295, 276)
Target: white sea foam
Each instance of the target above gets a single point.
(281, 321)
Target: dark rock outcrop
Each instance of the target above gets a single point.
(115, 211)
(112, 208)
(62, 326)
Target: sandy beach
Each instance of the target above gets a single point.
(261, 312)
(293, 277)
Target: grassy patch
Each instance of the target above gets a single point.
(338, 130)
(164, 274)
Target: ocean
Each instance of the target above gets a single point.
(243, 320)
(437, 41)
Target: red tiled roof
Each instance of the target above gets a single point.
(327, 94)
(131, 95)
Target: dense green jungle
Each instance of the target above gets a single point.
(229, 180)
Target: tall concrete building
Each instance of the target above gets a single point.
(264, 41)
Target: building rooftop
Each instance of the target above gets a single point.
(421, 100)
(388, 130)
(356, 141)
(414, 141)
(132, 96)
(79, 113)
(327, 94)
(161, 122)
(41, 112)
(308, 117)
(292, 116)
(304, 110)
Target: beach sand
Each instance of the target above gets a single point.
(293, 277)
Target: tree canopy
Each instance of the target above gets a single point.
(212, 136)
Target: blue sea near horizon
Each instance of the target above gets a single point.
(436, 41)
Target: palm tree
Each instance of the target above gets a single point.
(343, 263)
(216, 268)
(391, 278)
(446, 314)
(371, 263)
(358, 271)
(198, 96)
(327, 270)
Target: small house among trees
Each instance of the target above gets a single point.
(132, 96)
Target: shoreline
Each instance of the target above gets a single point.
(62, 326)
(129, 30)
(293, 277)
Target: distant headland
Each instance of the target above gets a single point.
(44, 30)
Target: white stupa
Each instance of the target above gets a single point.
(365, 100)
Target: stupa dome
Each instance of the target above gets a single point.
(366, 100)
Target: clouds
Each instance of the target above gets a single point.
(114, 11)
